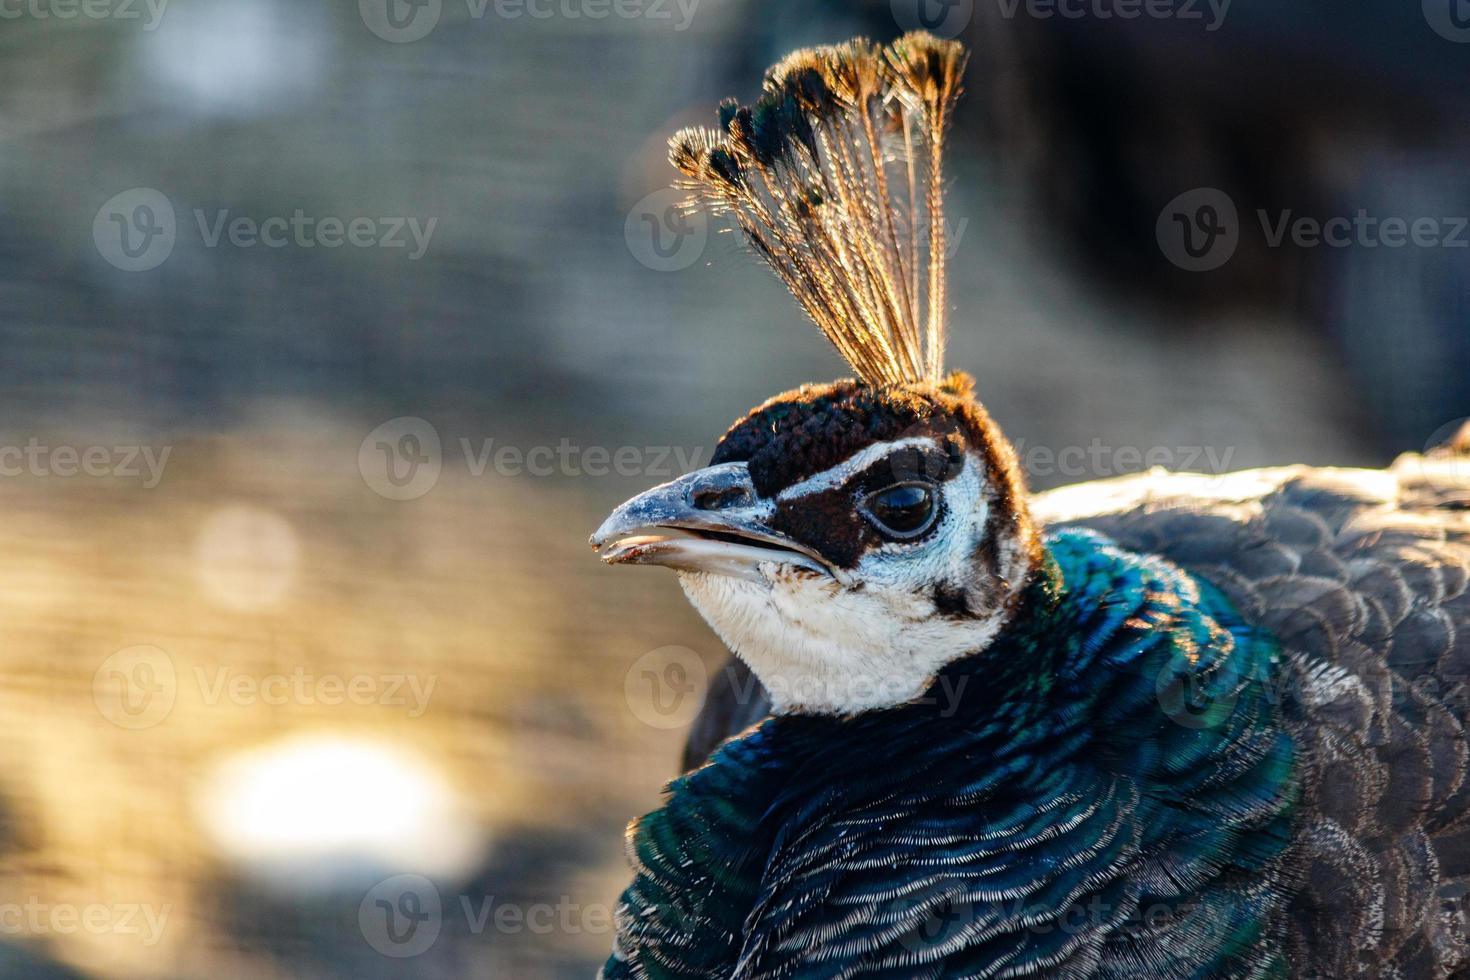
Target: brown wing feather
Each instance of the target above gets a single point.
(1365, 577)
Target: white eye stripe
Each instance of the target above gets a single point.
(838, 475)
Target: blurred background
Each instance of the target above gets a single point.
(331, 329)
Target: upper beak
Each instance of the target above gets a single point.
(718, 525)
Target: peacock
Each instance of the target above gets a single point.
(1164, 726)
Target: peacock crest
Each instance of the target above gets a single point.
(835, 177)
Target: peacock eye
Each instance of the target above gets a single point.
(903, 511)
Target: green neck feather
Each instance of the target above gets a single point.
(1106, 784)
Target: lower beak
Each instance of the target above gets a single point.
(707, 521)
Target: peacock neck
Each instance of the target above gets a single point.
(1117, 741)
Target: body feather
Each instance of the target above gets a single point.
(1363, 577)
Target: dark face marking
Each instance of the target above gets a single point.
(812, 429)
(829, 520)
(952, 601)
(985, 555)
(808, 431)
(913, 464)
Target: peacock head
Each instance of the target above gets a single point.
(847, 541)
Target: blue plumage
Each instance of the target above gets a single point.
(1083, 799)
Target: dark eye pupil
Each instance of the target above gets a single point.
(903, 509)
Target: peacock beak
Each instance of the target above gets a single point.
(709, 521)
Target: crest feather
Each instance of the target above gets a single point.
(835, 177)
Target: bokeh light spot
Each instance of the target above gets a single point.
(246, 557)
(316, 812)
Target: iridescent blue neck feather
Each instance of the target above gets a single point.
(1105, 791)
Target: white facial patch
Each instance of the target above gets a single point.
(852, 466)
(820, 646)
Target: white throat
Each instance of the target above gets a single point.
(820, 647)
